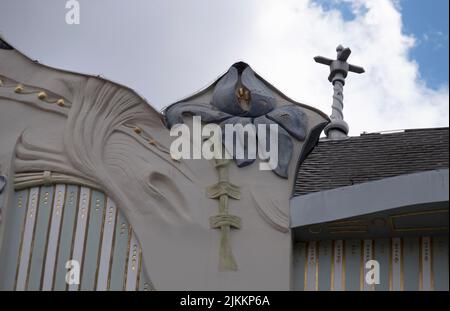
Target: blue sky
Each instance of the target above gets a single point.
(427, 22)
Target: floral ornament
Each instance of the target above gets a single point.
(240, 97)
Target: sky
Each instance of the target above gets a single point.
(167, 50)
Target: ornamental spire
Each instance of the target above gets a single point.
(338, 128)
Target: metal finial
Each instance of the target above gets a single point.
(339, 69)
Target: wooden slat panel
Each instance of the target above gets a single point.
(426, 253)
(352, 265)
(411, 259)
(299, 265)
(107, 245)
(338, 267)
(131, 281)
(312, 266)
(382, 255)
(93, 241)
(367, 254)
(13, 234)
(396, 265)
(80, 230)
(40, 238)
(27, 239)
(440, 263)
(53, 239)
(120, 252)
(325, 258)
(66, 236)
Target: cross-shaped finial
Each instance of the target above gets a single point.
(339, 69)
(339, 65)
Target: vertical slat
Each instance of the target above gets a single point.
(426, 260)
(338, 266)
(325, 252)
(66, 236)
(144, 282)
(57, 212)
(353, 265)
(366, 255)
(80, 230)
(299, 265)
(107, 245)
(411, 263)
(38, 251)
(382, 255)
(311, 266)
(27, 239)
(120, 252)
(440, 263)
(131, 283)
(93, 240)
(396, 282)
(14, 234)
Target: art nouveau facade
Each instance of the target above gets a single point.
(88, 182)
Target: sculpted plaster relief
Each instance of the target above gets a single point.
(85, 130)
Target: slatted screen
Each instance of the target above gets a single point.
(413, 263)
(51, 225)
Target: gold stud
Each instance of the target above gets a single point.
(42, 95)
(19, 88)
(137, 130)
(152, 141)
(60, 102)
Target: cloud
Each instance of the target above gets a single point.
(167, 50)
(390, 95)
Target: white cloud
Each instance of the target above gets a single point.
(169, 49)
(390, 95)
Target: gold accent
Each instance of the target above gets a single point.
(151, 141)
(60, 102)
(113, 244)
(63, 208)
(124, 286)
(33, 238)
(420, 264)
(21, 239)
(77, 206)
(105, 207)
(86, 231)
(315, 229)
(18, 89)
(332, 266)
(361, 265)
(137, 130)
(138, 279)
(50, 206)
(42, 95)
(394, 228)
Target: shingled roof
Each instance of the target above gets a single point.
(333, 164)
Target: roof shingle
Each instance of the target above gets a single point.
(334, 164)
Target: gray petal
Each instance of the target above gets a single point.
(285, 147)
(262, 99)
(292, 119)
(174, 114)
(238, 143)
(224, 95)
